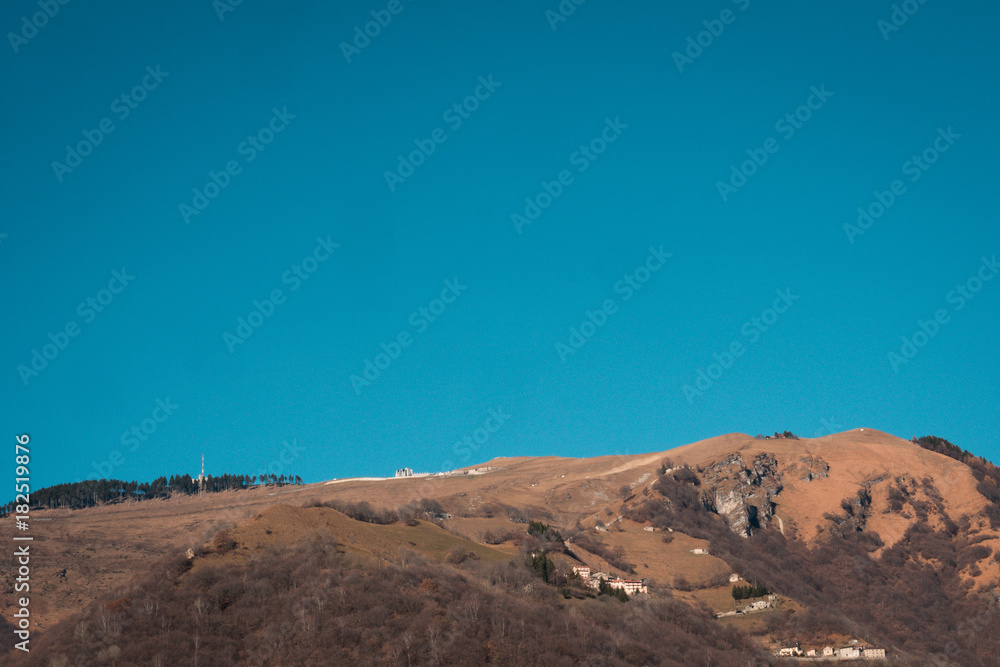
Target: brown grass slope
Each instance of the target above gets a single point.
(285, 524)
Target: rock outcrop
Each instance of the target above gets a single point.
(809, 468)
(856, 509)
(743, 493)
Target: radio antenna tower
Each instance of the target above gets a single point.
(201, 477)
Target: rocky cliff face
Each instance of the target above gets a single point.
(743, 492)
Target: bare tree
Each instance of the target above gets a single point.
(108, 624)
(434, 636)
(474, 606)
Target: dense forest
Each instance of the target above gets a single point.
(89, 493)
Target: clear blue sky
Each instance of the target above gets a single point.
(634, 141)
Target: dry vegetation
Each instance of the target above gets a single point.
(310, 602)
(896, 546)
(915, 583)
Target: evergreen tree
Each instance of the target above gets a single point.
(89, 493)
(543, 566)
(604, 588)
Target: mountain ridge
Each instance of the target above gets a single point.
(687, 518)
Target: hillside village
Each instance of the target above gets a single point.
(593, 580)
(856, 651)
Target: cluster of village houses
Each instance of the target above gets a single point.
(630, 586)
(755, 606)
(852, 652)
(633, 586)
(844, 653)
